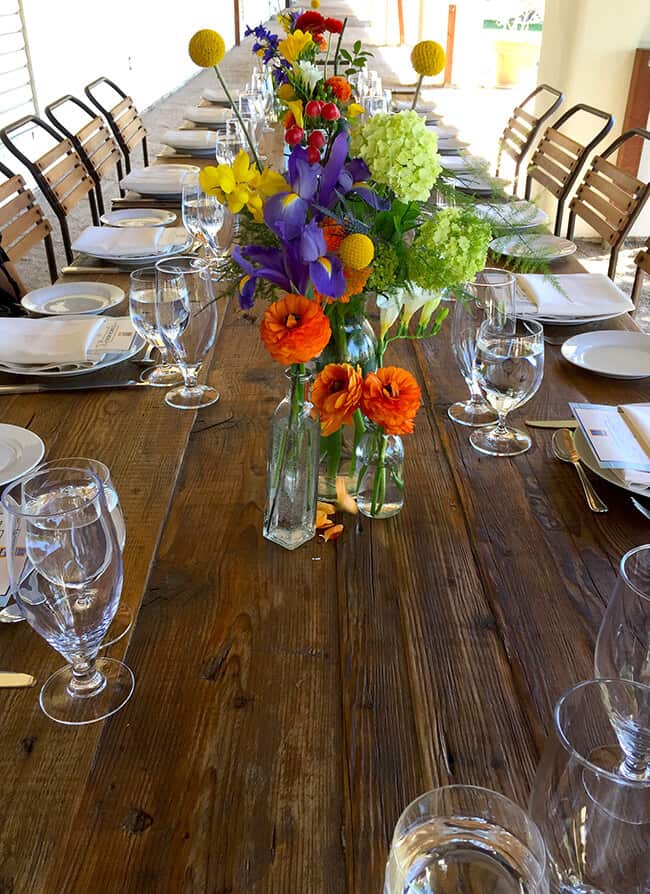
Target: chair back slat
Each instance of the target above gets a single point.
(523, 126)
(610, 199)
(642, 261)
(22, 222)
(559, 159)
(123, 119)
(67, 176)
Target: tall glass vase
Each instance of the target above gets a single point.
(292, 466)
(380, 461)
(353, 341)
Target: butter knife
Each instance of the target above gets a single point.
(10, 680)
(551, 423)
(36, 388)
(76, 269)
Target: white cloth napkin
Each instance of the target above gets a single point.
(190, 139)
(207, 114)
(637, 417)
(570, 295)
(159, 180)
(211, 95)
(48, 341)
(128, 242)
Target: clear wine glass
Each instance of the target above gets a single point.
(464, 838)
(509, 369)
(186, 313)
(65, 569)
(211, 220)
(594, 818)
(490, 296)
(142, 309)
(190, 205)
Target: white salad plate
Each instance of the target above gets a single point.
(73, 298)
(476, 183)
(533, 246)
(138, 217)
(617, 354)
(588, 457)
(521, 215)
(20, 452)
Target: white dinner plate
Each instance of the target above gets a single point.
(72, 370)
(588, 457)
(20, 451)
(138, 217)
(73, 298)
(533, 246)
(616, 354)
(476, 183)
(136, 260)
(521, 215)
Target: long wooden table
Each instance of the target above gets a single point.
(289, 705)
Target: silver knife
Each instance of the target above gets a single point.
(10, 680)
(73, 270)
(552, 423)
(36, 388)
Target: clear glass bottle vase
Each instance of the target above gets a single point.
(292, 466)
(380, 464)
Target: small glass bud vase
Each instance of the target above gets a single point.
(292, 466)
(380, 460)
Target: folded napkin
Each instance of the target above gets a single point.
(49, 341)
(570, 295)
(637, 417)
(129, 242)
(204, 140)
(158, 180)
(210, 95)
(207, 114)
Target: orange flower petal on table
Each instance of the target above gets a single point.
(332, 533)
(391, 398)
(323, 512)
(344, 502)
(294, 329)
(336, 393)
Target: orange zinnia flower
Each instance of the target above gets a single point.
(337, 393)
(391, 397)
(340, 87)
(355, 283)
(295, 329)
(334, 234)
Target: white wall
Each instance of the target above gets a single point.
(139, 44)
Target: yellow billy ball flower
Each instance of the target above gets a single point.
(207, 48)
(286, 92)
(357, 251)
(315, 4)
(428, 58)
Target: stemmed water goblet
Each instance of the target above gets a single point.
(593, 813)
(186, 313)
(142, 309)
(464, 838)
(65, 571)
(490, 296)
(509, 369)
(203, 215)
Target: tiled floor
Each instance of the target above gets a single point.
(479, 113)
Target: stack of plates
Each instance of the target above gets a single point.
(192, 142)
(212, 115)
(216, 96)
(515, 215)
(162, 181)
(477, 183)
(138, 217)
(133, 246)
(73, 298)
(533, 246)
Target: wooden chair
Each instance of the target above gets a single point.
(558, 159)
(642, 262)
(523, 126)
(123, 119)
(22, 222)
(93, 141)
(609, 199)
(59, 172)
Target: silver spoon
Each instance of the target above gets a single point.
(564, 449)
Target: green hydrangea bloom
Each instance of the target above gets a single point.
(401, 152)
(384, 268)
(448, 250)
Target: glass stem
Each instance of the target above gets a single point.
(636, 765)
(86, 679)
(191, 376)
(501, 428)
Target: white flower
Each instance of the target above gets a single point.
(414, 299)
(389, 310)
(428, 309)
(308, 72)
